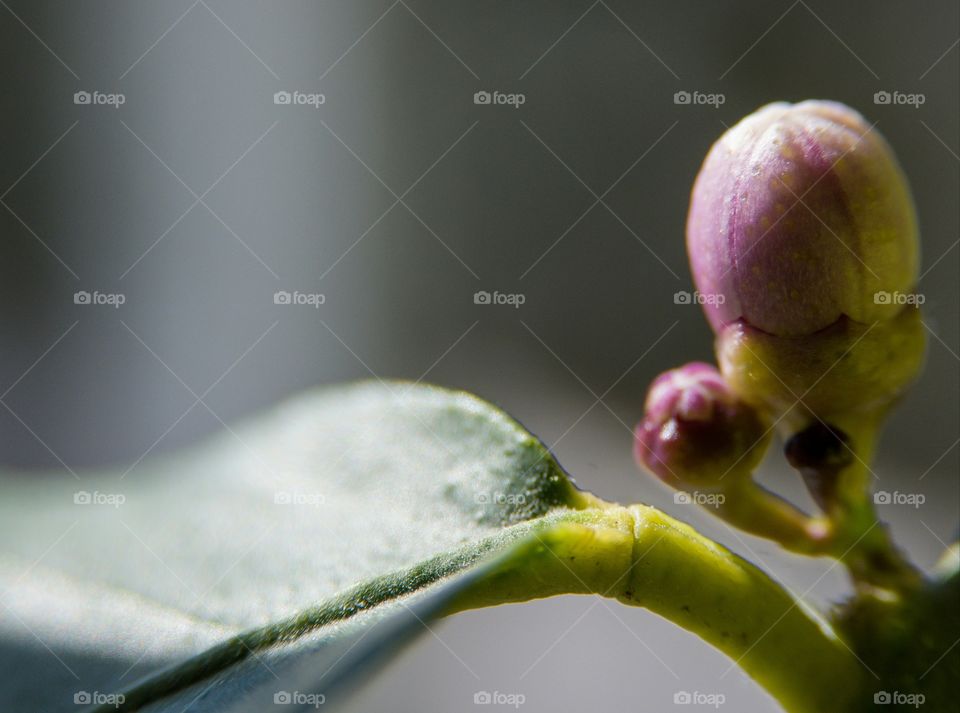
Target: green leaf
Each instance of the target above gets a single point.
(301, 551)
(254, 529)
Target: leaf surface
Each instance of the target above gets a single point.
(338, 525)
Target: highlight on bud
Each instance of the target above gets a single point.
(696, 432)
(799, 216)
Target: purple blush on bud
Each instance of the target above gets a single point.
(690, 392)
(799, 216)
(695, 430)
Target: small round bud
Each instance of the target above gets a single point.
(695, 431)
(800, 216)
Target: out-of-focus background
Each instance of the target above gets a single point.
(169, 168)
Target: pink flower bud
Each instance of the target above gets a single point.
(800, 215)
(695, 430)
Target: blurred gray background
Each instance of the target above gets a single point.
(398, 198)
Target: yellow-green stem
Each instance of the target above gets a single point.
(644, 558)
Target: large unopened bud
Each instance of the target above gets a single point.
(800, 216)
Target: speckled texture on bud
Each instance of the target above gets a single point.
(695, 431)
(801, 215)
(841, 375)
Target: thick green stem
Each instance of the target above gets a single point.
(644, 558)
(636, 555)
